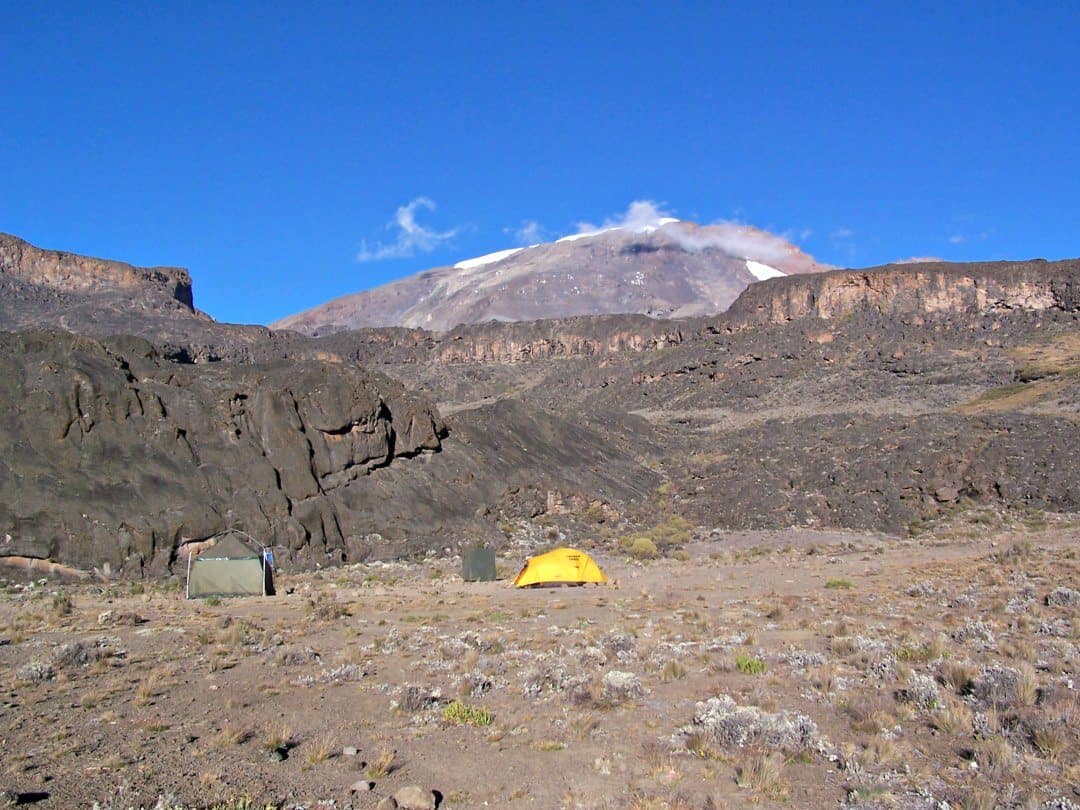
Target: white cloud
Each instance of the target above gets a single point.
(802, 234)
(412, 237)
(842, 233)
(735, 239)
(639, 214)
(530, 232)
(957, 239)
(919, 260)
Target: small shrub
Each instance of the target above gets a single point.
(642, 548)
(750, 665)
(620, 687)
(726, 723)
(326, 608)
(1006, 687)
(458, 713)
(35, 672)
(976, 630)
(415, 699)
(1063, 597)
(839, 584)
(921, 691)
(62, 604)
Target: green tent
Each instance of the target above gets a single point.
(478, 565)
(230, 567)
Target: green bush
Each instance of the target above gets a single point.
(642, 548)
(839, 584)
(675, 531)
(458, 712)
(750, 665)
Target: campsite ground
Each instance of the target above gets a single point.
(844, 667)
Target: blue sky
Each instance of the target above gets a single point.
(269, 147)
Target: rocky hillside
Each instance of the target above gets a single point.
(876, 399)
(668, 269)
(114, 457)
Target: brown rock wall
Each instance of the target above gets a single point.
(71, 272)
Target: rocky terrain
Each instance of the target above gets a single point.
(796, 668)
(882, 399)
(664, 269)
(840, 522)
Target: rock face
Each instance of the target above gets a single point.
(112, 455)
(70, 272)
(674, 270)
(508, 342)
(927, 289)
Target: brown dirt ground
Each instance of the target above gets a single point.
(186, 704)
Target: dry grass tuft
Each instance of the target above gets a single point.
(229, 736)
(996, 757)
(383, 764)
(322, 749)
(952, 718)
(673, 671)
(584, 724)
(763, 773)
(278, 738)
(958, 675)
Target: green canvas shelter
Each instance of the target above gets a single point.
(230, 567)
(478, 565)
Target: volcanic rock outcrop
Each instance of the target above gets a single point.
(110, 454)
(70, 272)
(113, 457)
(941, 288)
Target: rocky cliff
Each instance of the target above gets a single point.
(981, 288)
(507, 342)
(72, 273)
(863, 398)
(114, 457)
(110, 454)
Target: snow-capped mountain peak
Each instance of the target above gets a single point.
(655, 265)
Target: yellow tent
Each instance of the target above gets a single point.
(561, 566)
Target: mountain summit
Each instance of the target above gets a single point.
(665, 268)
